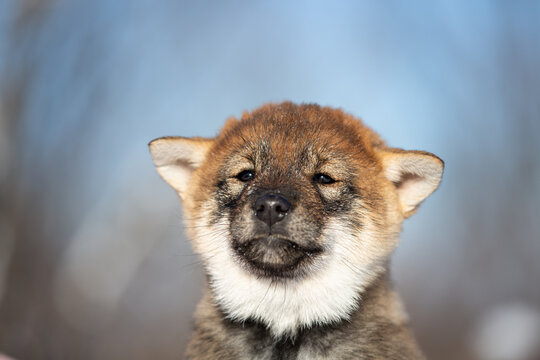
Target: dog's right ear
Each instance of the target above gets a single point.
(177, 157)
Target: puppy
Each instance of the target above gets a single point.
(294, 211)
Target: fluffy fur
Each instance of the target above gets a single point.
(312, 284)
(327, 297)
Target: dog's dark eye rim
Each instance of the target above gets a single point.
(246, 175)
(323, 179)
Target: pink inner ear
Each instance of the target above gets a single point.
(414, 175)
(406, 180)
(413, 189)
(177, 158)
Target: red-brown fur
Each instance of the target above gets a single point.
(285, 145)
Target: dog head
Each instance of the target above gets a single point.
(294, 210)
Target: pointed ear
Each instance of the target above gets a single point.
(176, 158)
(415, 174)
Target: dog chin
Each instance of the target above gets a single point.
(275, 257)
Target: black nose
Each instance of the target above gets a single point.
(272, 208)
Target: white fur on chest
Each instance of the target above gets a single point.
(326, 296)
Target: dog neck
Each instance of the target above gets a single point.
(379, 313)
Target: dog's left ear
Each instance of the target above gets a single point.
(177, 157)
(415, 174)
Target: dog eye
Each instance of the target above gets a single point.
(246, 175)
(323, 179)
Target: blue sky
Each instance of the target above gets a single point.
(450, 77)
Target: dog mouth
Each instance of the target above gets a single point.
(275, 256)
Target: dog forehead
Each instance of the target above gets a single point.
(302, 134)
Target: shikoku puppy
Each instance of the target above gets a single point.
(294, 211)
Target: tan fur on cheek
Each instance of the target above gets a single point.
(205, 237)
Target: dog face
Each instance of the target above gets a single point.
(294, 210)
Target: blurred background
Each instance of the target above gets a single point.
(94, 263)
